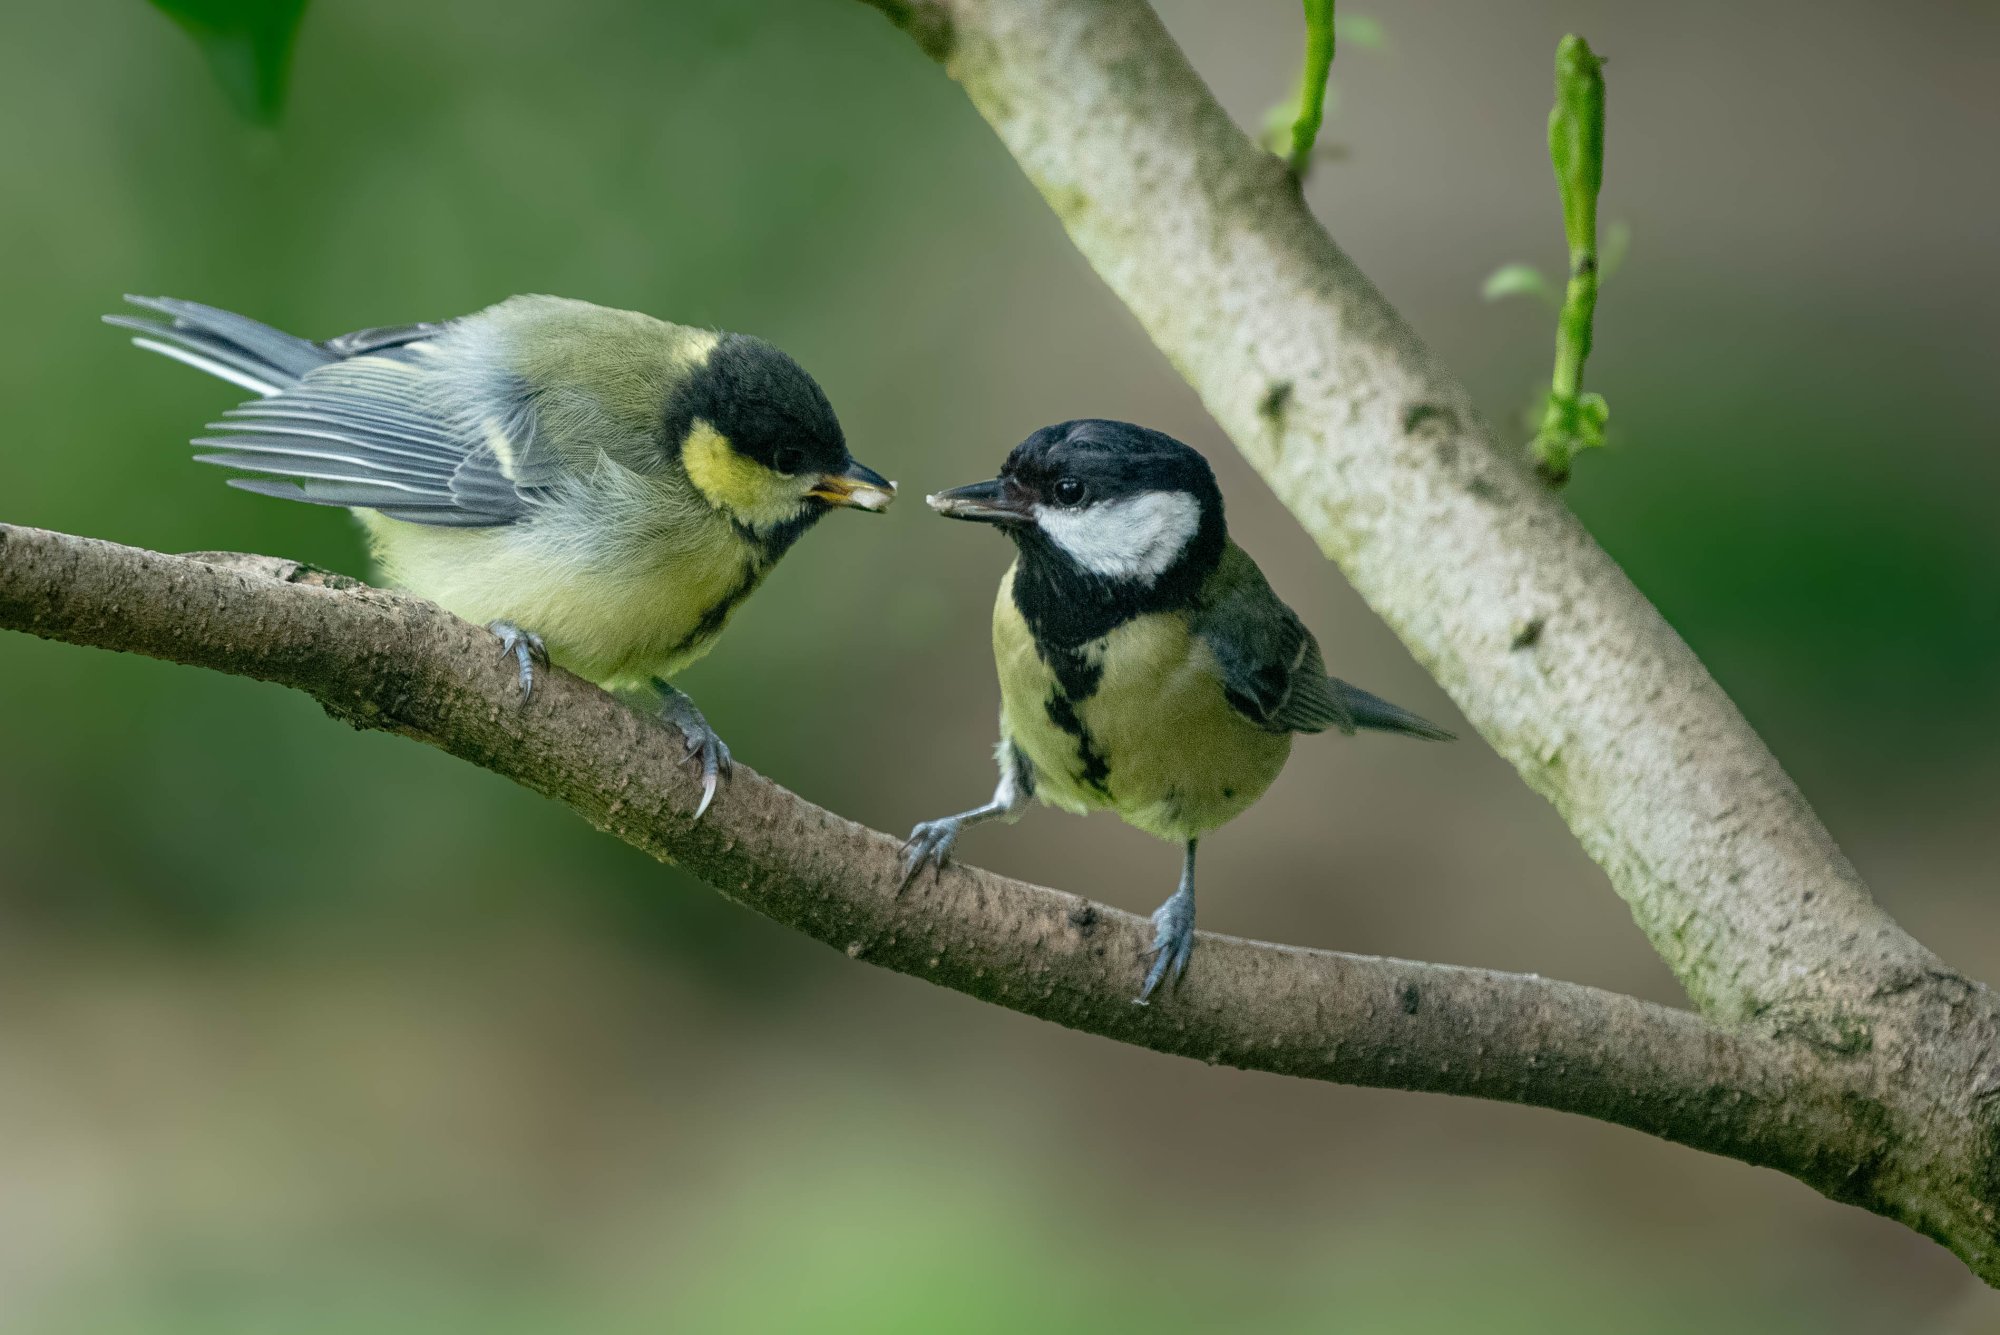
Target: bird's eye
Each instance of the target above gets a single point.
(789, 460)
(1069, 491)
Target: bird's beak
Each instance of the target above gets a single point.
(983, 502)
(859, 488)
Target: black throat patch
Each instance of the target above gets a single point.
(1069, 610)
(773, 542)
(1067, 606)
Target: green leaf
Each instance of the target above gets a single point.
(1361, 30)
(1617, 245)
(248, 44)
(1517, 280)
(1276, 133)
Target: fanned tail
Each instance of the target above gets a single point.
(1378, 715)
(234, 347)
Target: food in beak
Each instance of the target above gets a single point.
(861, 488)
(982, 502)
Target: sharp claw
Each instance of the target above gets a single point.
(699, 745)
(704, 750)
(524, 647)
(1173, 944)
(929, 844)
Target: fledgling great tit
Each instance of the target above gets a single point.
(1144, 663)
(599, 488)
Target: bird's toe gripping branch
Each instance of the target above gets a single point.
(707, 751)
(929, 845)
(1173, 934)
(1173, 943)
(525, 647)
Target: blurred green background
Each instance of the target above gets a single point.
(314, 1031)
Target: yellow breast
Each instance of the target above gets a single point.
(615, 604)
(1142, 725)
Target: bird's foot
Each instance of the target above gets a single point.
(706, 751)
(929, 845)
(1173, 942)
(524, 647)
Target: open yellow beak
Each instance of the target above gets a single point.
(859, 488)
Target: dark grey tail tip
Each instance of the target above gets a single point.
(1409, 725)
(1412, 727)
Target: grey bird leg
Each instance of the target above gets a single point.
(524, 647)
(1173, 927)
(703, 747)
(930, 844)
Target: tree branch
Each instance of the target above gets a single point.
(1536, 633)
(1539, 637)
(381, 660)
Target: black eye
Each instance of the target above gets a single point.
(1069, 491)
(789, 460)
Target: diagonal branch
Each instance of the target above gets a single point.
(385, 661)
(1537, 634)
(1375, 447)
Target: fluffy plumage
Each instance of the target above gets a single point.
(1145, 664)
(596, 484)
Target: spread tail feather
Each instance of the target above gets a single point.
(233, 347)
(1378, 715)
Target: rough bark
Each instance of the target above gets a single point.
(1564, 667)
(381, 660)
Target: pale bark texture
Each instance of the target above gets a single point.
(1829, 1044)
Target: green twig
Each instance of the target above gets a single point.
(1573, 420)
(1312, 84)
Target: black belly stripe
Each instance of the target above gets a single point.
(1076, 675)
(1096, 768)
(713, 619)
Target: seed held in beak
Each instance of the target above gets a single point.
(981, 502)
(859, 488)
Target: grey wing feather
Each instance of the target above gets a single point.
(383, 336)
(1279, 682)
(358, 420)
(364, 431)
(1271, 668)
(1272, 673)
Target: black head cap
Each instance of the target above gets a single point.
(1094, 459)
(1098, 470)
(765, 405)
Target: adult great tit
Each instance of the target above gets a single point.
(599, 488)
(1144, 663)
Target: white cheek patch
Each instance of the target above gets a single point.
(1135, 537)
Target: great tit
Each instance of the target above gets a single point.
(1144, 663)
(599, 488)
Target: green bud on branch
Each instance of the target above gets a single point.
(1573, 421)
